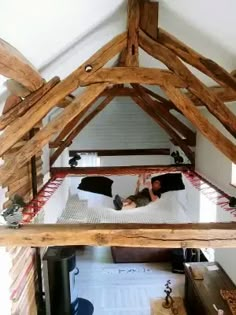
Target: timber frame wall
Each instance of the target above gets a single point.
(32, 98)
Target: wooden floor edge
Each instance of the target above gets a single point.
(215, 235)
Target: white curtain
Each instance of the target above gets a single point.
(89, 159)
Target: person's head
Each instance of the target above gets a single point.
(156, 185)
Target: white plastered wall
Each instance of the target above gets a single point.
(217, 168)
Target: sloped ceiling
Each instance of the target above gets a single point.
(58, 35)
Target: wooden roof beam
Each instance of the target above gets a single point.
(15, 66)
(163, 112)
(188, 235)
(54, 96)
(203, 125)
(205, 65)
(121, 152)
(163, 124)
(69, 127)
(123, 75)
(194, 85)
(118, 170)
(22, 107)
(149, 18)
(42, 137)
(78, 128)
(131, 55)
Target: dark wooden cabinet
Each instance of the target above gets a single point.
(200, 295)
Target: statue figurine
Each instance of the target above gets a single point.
(168, 299)
(169, 302)
(73, 162)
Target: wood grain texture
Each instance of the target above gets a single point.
(167, 128)
(16, 88)
(123, 75)
(15, 66)
(215, 235)
(149, 18)
(222, 93)
(131, 57)
(163, 112)
(202, 294)
(168, 104)
(27, 103)
(78, 128)
(204, 126)
(10, 103)
(69, 127)
(118, 170)
(35, 144)
(205, 65)
(55, 95)
(195, 86)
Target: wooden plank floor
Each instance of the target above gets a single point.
(122, 289)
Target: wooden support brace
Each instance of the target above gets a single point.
(55, 95)
(117, 170)
(131, 58)
(215, 235)
(163, 124)
(195, 86)
(123, 152)
(123, 75)
(78, 128)
(204, 126)
(149, 18)
(43, 136)
(11, 102)
(207, 66)
(160, 109)
(169, 105)
(69, 127)
(15, 66)
(22, 107)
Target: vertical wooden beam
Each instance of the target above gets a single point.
(78, 128)
(149, 18)
(161, 122)
(204, 126)
(133, 23)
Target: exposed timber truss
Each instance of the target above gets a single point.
(32, 98)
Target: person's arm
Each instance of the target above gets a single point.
(153, 197)
(138, 185)
(149, 186)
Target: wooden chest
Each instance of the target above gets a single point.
(200, 295)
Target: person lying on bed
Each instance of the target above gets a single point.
(151, 192)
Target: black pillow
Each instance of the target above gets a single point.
(97, 184)
(170, 182)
